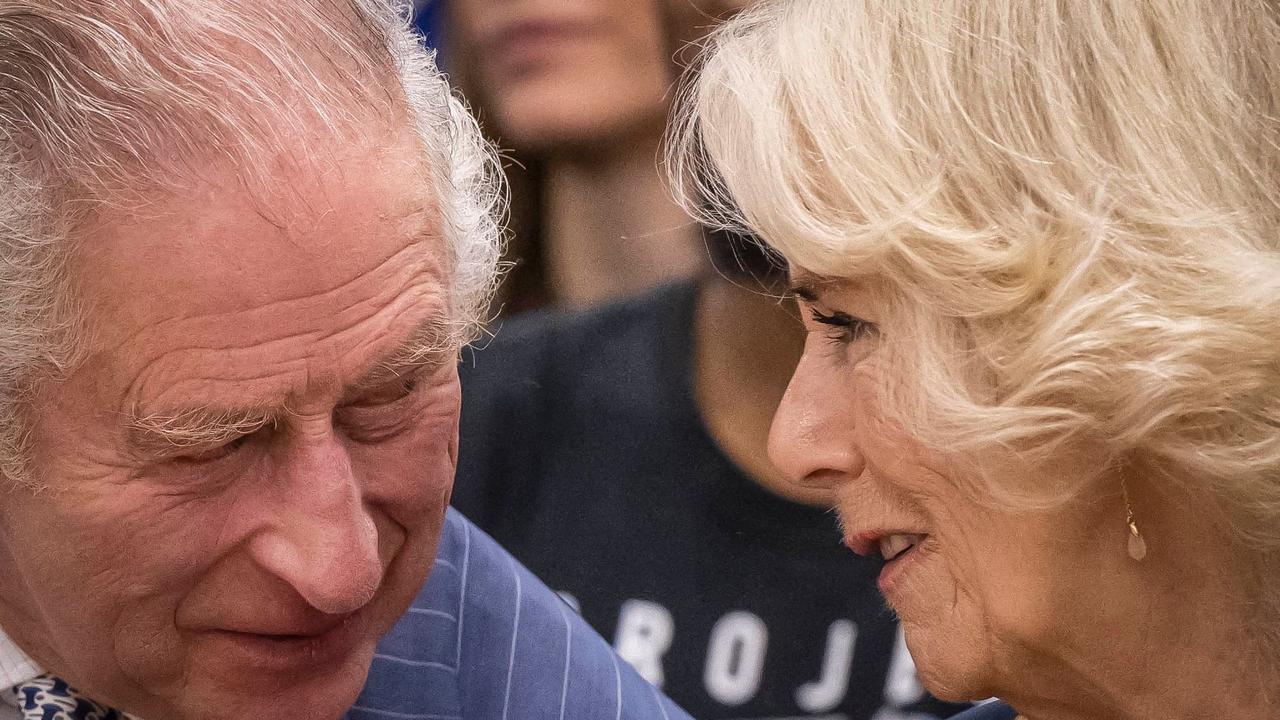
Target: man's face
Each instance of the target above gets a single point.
(245, 482)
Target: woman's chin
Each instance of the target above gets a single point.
(950, 668)
(947, 640)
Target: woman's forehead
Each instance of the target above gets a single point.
(809, 285)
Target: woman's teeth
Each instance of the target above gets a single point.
(891, 546)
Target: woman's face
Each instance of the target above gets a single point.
(979, 590)
(561, 74)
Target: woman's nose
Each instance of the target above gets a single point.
(812, 440)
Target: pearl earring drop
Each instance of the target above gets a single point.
(1137, 545)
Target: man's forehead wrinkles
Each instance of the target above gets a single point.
(405, 265)
(268, 383)
(419, 317)
(429, 344)
(403, 323)
(413, 224)
(285, 367)
(418, 219)
(256, 321)
(408, 266)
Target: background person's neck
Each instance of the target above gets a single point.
(611, 228)
(747, 342)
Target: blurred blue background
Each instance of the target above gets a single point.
(429, 19)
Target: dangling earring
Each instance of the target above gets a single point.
(1137, 546)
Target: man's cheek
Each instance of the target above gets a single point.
(416, 468)
(150, 650)
(453, 449)
(111, 601)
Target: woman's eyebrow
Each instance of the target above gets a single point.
(805, 292)
(809, 286)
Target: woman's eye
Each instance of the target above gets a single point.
(843, 328)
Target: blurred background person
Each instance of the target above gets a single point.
(620, 451)
(579, 92)
(428, 18)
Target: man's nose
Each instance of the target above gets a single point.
(323, 541)
(812, 439)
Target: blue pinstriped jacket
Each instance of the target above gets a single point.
(486, 640)
(989, 711)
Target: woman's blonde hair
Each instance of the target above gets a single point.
(1073, 209)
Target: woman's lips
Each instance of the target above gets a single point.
(891, 546)
(894, 571)
(896, 547)
(885, 544)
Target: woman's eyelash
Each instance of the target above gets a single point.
(845, 328)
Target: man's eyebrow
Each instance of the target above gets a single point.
(168, 432)
(432, 343)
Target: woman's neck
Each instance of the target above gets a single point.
(1178, 681)
(1183, 647)
(611, 228)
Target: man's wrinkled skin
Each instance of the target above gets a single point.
(242, 487)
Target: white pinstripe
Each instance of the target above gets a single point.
(515, 633)
(568, 652)
(462, 587)
(617, 677)
(432, 612)
(404, 716)
(658, 699)
(415, 663)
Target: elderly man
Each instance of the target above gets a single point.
(240, 245)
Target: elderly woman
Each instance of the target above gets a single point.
(1037, 249)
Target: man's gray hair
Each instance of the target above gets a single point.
(105, 101)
